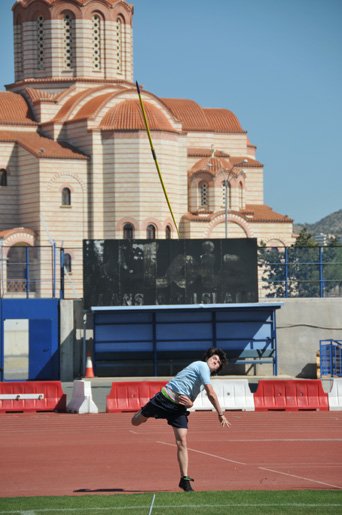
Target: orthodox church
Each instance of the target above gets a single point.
(75, 159)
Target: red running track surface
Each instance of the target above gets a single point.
(68, 454)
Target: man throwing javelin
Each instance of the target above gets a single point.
(179, 394)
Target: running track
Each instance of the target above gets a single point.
(68, 454)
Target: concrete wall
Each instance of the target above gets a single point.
(301, 324)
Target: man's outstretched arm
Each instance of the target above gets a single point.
(214, 401)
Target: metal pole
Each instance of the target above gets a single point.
(27, 273)
(226, 204)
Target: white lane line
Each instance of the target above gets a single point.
(260, 468)
(206, 454)
(300, 477)
(154, 496)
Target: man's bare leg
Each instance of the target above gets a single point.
(138, 419)
(182, 449)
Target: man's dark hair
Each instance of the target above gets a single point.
(219, 352)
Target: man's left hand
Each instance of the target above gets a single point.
(185, 401)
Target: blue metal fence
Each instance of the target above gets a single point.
(331, 358)
(300, 272)
(53, 272)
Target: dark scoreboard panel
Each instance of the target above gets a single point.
(169, 272)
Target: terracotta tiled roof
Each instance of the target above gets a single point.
(251, 163)
(215, 164)
(127, 115)
(189, 112)
(222, 120)
(91, 107)
(14, 109)
(41, 146)
(38, 94)
(196, 118)
(252, 214)
(69, 104)
(262, 213)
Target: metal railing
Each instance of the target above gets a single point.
(330, 358)
(54, 272)
(300, 272)
(41, 272)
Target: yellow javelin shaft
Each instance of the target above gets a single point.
(155, 159)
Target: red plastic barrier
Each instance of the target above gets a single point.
(54, 399)
(291, 395)
(131, 395)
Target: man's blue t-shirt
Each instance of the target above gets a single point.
(191, 380)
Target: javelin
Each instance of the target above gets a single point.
(155, 158)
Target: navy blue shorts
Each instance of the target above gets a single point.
(160, 407)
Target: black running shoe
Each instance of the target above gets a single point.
(185, 484)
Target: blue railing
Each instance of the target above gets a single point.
(300, 272)
(283, 272)
(331, 358)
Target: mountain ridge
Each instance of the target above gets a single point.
(330, 224)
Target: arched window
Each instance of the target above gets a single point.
(3, 177)
(119, 44)
(40, 42)
(67, 263)
(128, 232)
(68, 42)
(204, 194)
(97, 42)
(151, 232)
(66, 197)
(241, 195)
(168, 232)
(19, 259)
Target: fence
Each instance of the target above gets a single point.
(331, 358)
(53, 272)
(300, 272)
(41, 272)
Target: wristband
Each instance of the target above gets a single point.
(221, 414)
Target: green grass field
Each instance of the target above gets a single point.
(197, 503)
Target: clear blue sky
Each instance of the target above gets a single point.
(277, 64)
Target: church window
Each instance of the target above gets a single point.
(3, 177)
(97, 42)
(68, 42)
(67, 263)
(119, 44)
(66, 197)
(40, 42)
(168, 232)
(128, 232)
(151, 232)
(229, 195)
(241, 195)
(20, 48)
(204, 194)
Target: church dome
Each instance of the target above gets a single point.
(215, 163)
(127, 115)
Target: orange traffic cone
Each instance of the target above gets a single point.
(89, 366)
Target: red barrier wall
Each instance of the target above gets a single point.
(291, 395)
(54, 398)
(131, 395)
